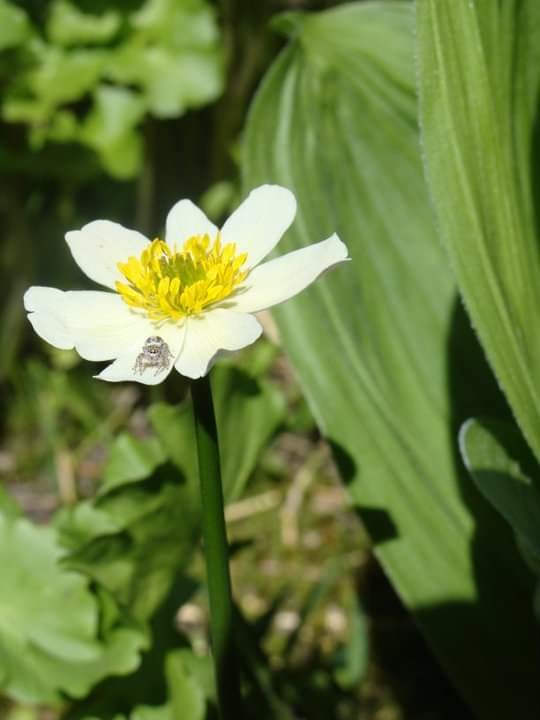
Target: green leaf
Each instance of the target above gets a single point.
(67, 25)
(109, 129)
(174, 427)
(248, 412)
(131, 459)
(354, 660)
(173, 55)
(147, 712)
(14, 25)
(44, 652)
(144, 524)
(379, 345)
(494, 453)
(186, 695)
(63, 75)
(143, 534)
(8, 507)
(478, 73)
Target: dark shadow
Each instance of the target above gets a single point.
(344, 460)
(501, 620)
(400, 652)
(378, 522)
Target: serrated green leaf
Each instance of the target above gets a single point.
(43, 652)
(155, 531)
(479, 69)
(494, 454)
(376, 343)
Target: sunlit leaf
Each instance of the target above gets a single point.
(249, 411)
(354, 659)
(494, 455)
(8, 506)
(479, 68)
(380, 347)
(186, 694)
(173, 56)
(109, 129)
(44, 652)
(14, 25)
(131, 459)
(67, 25)
(64, 75)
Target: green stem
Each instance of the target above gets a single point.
(217, 553)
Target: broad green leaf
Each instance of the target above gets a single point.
(379, 344)
(479, 68)
(44, 652)
(494, 456)
(14, 25)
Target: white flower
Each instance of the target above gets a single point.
(180, 301)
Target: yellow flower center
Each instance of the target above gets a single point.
(168, 285)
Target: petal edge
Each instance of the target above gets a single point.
(280, 279)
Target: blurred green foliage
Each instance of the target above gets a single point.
(89, 79)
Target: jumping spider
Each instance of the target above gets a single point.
(155, 354)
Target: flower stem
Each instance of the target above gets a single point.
(217, 553)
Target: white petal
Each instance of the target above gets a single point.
(280, 279)
(258, 224)
(46, 313)
(99, 325)
(212, 332)
(99, 246)
(123, 368)
(185, 220)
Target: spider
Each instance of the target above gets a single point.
(155, 354)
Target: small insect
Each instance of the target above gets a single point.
(155, 354)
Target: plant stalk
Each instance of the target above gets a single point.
(217, 553)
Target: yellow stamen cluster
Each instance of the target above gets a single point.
(167, 284)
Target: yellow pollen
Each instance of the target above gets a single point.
(168, 285)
